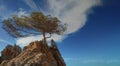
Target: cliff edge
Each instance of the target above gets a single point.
(37, 54)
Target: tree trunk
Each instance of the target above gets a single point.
(44, 38)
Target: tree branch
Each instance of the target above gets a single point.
(49, 36)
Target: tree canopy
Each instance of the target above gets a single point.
(34, 24)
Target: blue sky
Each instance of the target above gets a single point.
(93, 35)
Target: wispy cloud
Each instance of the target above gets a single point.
(3, 9)
(32, 5)
(21, 12)
(72, 12)
(4, 41)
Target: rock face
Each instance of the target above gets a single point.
(56, 54)
(1, 59)
(10, 52)
(37, 54)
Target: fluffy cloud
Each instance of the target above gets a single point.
(72, 12)
(26, 40)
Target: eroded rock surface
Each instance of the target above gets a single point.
(37, 54)
(10, 52)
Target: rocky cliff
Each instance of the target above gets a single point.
(10, 52)
(37, 54)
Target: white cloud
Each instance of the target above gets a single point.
(5, 14)
(26, 40)
(72, 12)
(34, 7)
(21, 12)
(32, 4)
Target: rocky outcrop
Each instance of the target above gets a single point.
(1, 59)
(10, 52)
(37, 54)
(56, 54)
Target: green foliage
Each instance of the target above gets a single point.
(36, 21)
